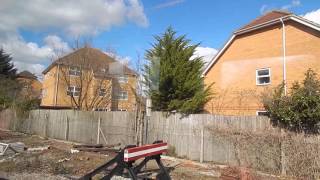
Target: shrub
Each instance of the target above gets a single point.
(300, 109)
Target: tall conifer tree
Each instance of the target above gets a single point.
(173, 75)
(6, 66)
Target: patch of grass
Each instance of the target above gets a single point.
(172, 151)
(59, 168)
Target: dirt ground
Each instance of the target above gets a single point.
(57, 162)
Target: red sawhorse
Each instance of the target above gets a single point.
(126, 158)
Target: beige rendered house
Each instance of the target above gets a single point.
(89, 79)
(274, 48)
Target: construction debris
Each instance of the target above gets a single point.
(98, 149)
(95, 148)
(11, 148)
(63, 160)
(39, 148)
(74, 151)
(87, 146)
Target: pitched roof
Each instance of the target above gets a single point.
(26, 74)
(92, 57)
(266, 20)
(269, 16)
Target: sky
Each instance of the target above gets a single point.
(37, 32)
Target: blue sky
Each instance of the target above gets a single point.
(33, 33)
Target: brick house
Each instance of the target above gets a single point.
(274, 48)
(89, 79)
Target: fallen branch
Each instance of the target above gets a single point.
(88, 146)
(98, 149)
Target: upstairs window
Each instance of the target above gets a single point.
(73, 91)
(263, 76)
(102, 92)
(74, 71)
(123, 79)
(123, 95)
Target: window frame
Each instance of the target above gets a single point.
(261, 111)
(123, 79)
(77, 71)
(123, 99)
(73, 91)
(262, 76)
(105, 92)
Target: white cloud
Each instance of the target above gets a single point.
(294, 3)
(34, 68)
(266, 8)
(76, 17)
(29, 55)
(313, 16)
(125, 60)
(73, 17)
(55, 43)
(206, 53)
(169, 3)
(136, 14)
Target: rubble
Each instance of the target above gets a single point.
(39, 148)
(95, 148)
(11, 148)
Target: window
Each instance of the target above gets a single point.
(123, 79)
(73, 91)
(262, 113)
(123, 95)
(263, 76)
(74, 71)
(102, 92)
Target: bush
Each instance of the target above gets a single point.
(300, 109)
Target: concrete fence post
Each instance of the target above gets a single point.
(282, 155)
(98, 134)
(202, 145)
(67, 129)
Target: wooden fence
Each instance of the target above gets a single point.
(77, 126)
(195, 137)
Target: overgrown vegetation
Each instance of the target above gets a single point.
(10, 95)
(299, 110)
(287, 154)
(173, 75)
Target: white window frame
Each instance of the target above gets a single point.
(74, 71)
(261, 76)
(123, 79)
(260, 111)
(122, 97)
(73, 91)
(100, 92)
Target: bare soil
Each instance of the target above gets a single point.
(58, 162)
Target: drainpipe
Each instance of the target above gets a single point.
(284, 57)
(56, 86)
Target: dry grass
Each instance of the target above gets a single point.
(297, 155)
